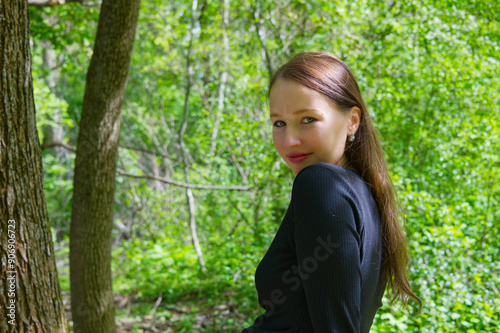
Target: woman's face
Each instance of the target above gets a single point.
(307, 127)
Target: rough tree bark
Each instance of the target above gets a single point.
(95, 168)
(30, 296)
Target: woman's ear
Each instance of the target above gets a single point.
(354, 119)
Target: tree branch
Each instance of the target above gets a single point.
(160, 179)
(72, 149)
(186, 185)
(52, 3)
(53, 144)
(145, 151)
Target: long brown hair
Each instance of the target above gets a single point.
(328, 75)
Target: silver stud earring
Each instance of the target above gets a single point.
(352, 137)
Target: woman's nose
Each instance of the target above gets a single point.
(292, 138)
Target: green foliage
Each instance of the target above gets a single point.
(429, 72)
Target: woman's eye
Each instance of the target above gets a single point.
(279, 123)
(308, 120)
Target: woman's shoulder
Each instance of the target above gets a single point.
(325, 174)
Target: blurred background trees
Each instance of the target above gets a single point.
(200, 190)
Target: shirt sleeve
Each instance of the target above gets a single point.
(328, 248)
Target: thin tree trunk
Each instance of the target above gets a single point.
(223, 78)
(30, 297)
(184, 151)
(95, 168)
(53, 132)
(261, 35)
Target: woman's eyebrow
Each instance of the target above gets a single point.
(296, 112)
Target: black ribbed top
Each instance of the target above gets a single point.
(322, 272)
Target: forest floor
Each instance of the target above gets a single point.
(188, 313)
(139, 316)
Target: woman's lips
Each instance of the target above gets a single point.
(297, 158)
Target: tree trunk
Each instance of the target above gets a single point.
(184, 150)
(223, 77)
(30, 295)
(95, 168)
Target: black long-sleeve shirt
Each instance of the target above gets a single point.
(322, 272)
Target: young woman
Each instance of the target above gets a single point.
(340, 242)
